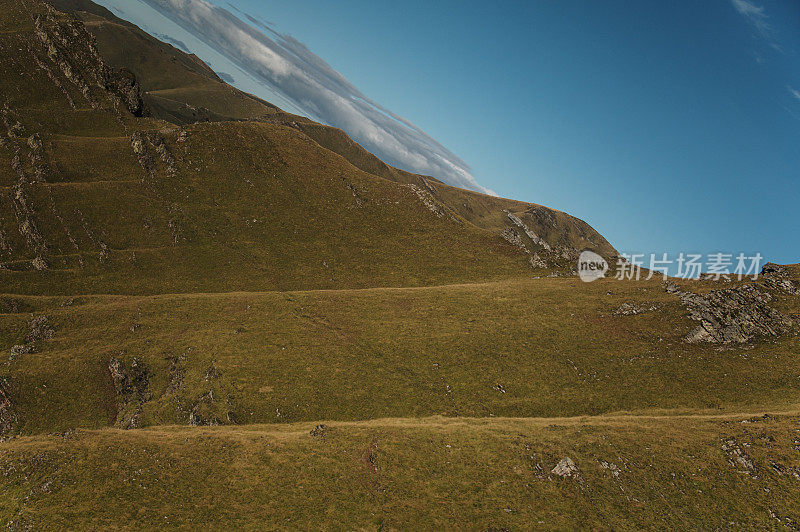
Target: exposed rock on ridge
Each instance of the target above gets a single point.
(733, 315)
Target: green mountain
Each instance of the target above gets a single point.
(214, 313)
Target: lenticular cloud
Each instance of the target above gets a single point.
(287, 67)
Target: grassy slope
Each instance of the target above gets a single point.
(244, 205)
(481, 210)
(554, 346)
(401, 474)
(173, 81)
(268, 212)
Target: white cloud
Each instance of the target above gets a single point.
(794, 92)
(758, 19)
(754, 14)
(287, 67)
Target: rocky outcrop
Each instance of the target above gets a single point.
(132, 385)
(737, 457)
(566, 468)
(25, 148)
(514, 219)
(8, 414)
(429, 201)
(40, 329)
(12, 305)
(770, 269)
(733, 315)
(778, 278)
(123, 84)
(787, 286)
(74, 53)
(562, 255)
(511, 236)
(208, 408)
(319, 431)
(204, 412)
(200, 400)
(150, 146)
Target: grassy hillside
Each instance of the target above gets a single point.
(100, 201)
(178, 92)
(270, 211)
(547, 347)
(730, 472)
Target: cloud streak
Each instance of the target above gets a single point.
(758, 19)
(754, 14)
(287, 67)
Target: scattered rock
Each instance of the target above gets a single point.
(40, 329)
(613, 468)
(631, 309)
(566, 468)
(39, 263)
(737, 457)
(671, 288)
(22, 349)
(319, 431)
(783, 470)
(212, 373)
(105, 253)
(11, 305)
(715, 277)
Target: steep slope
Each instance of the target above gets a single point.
(557, 236)
(176, 86)
(100, 200)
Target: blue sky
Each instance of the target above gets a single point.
(668, 126)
